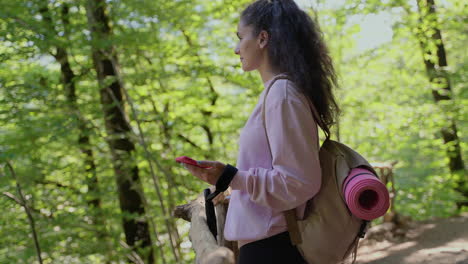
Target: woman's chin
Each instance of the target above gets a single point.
(246, 68)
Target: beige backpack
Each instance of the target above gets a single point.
(329, 233)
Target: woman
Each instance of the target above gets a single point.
(276, 38)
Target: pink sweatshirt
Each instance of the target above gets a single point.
(263, 188)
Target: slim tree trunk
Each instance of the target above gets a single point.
(135, 224)
(213, 94)
(435, 61)
(22, 201)
(68, 81)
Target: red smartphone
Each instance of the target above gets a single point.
(185, 159)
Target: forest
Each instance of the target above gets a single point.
(97, 99)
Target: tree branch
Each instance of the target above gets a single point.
(60, 185)
(22, 202)
(188, 141)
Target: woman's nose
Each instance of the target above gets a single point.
(237, 50)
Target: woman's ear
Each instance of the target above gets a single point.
(263, 39)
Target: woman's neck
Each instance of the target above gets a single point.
(267, 72)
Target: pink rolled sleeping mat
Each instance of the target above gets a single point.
(366, 196)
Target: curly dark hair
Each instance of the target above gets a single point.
(296, 47)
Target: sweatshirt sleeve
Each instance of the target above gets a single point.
(295, 176)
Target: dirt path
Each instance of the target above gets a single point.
(443, 241)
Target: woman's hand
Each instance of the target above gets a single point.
(209, 175)
(222, 197)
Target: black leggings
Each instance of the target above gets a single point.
(273, 250)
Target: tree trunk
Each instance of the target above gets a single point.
(213, 95)
(68, 81)
(135, 224)
(435, 61)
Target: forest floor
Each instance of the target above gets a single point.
(439, 241)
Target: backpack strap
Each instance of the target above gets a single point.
(317, 119)
(314, 112)
(293, 228)
(289, 215)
